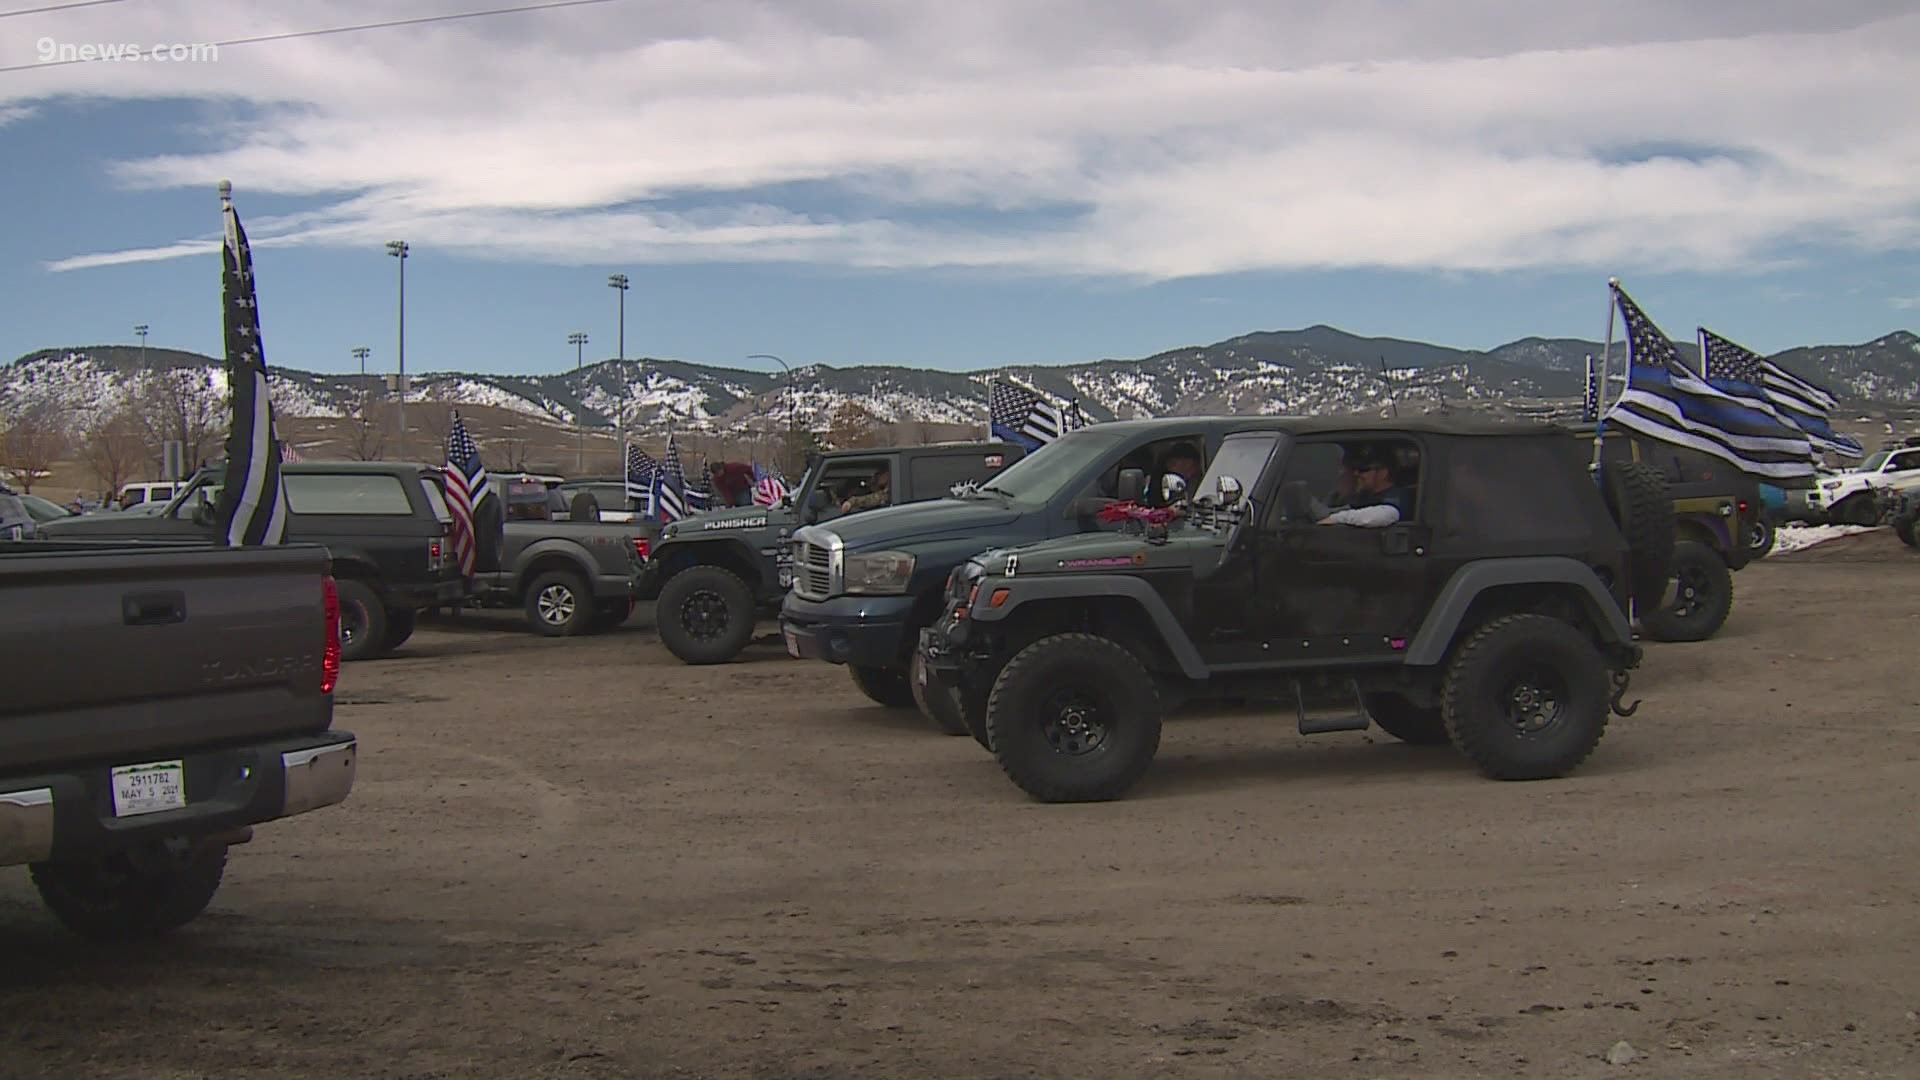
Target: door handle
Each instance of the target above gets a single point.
(153, 609)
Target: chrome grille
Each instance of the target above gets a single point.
(813, 568)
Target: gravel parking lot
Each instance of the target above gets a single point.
(579, 858)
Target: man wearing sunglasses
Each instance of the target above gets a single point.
(1372, 499)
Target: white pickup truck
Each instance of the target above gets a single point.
(1855, 497)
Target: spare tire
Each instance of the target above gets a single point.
(585, 507)
(1641, 505)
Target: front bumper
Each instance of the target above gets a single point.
(70, 815)
(868, 631)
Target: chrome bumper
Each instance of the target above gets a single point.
(318, 777)
(26, 826)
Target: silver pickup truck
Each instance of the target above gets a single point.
(158, 699)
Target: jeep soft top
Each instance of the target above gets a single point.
(712, 574)
(1494, 615)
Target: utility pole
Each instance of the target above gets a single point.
(578, 339)
(398, 249)
(793, 399)
(360, 353)
(619, 281)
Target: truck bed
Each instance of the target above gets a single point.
(110, 649)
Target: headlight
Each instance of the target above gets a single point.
(879, 572)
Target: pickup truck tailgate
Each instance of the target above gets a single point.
(111, 649)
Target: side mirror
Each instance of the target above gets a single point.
(1230, 490)
(1132, 484)
(1172, 487)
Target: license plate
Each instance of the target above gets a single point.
(793, 644)
(149, 788)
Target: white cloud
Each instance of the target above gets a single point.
(1135, 138)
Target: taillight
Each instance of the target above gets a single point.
(330, 654)
(642, 548)
(1743, 506)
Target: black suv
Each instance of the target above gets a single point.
(385, 523)
(1495, 615)
(714, 573)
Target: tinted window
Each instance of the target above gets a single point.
(1518, 490)
(934, 476)
(320, 493)
(1908, 460)
(436, 500)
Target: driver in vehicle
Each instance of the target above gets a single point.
(1182, 460)
(1375, 501)
(881, 495)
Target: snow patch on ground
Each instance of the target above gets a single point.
(1800, 537)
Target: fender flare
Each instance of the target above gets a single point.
(694, 549)
(1430, 643)
(552, 547)
(1029, 590)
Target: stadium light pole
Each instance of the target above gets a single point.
(578, 339)
(792, 395)
(142, 331)
(360, 353)
(398, 249)
(619, 281)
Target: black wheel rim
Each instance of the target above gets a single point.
(1076, 721)
(704, 614)
(1534, 701)
(1691, 590)
(353, 624)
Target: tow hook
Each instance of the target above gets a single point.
(1620, 680)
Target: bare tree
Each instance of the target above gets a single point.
(182, 405)
(852, 427)
(116, 450)
(34, 439)
(436, 422)
(366, 425)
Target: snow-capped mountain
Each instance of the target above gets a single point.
(1315, 370)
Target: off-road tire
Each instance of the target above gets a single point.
(1478, 704)
(1035, 690)
(363, 621)
(559, 604)
(1642, 506)
(940, 704)
(111, 898)
(400, 624)
(1402, 719)
(1857, 509)
(1760, 539)
(1903, 528)
(889, 686)
(584, 507)
(1698, 568)
(705, 615)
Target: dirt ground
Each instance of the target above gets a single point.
(579, 858)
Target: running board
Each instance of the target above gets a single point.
(1331, 715)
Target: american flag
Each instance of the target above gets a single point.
(1663, 400)
(252, 509)
(466, 486)
(668, 499)
(1590, 407)
(288, 453)
(640, 473)
(699, 493)
(1747, 375)
(1019, 415)
(768, 486)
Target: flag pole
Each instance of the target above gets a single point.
(1606, 371)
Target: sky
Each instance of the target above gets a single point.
(957, 185)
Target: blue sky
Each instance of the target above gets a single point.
(837, 184)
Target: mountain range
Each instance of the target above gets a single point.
(1315, 370)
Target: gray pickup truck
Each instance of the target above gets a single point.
(570, 577)
(160, 699)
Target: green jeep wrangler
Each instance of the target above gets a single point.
(1494, 613)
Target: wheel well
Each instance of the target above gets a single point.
(1561, 600)
(1693, 530)
(723, 555)
(1118, 618)
(546, 564)
(355, 570)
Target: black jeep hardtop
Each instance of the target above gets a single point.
(1495, 613)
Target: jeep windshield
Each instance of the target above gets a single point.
(1044, 472)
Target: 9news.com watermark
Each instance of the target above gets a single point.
(51, 51)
